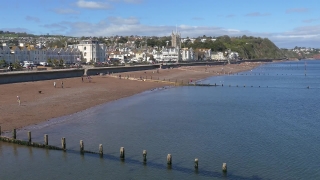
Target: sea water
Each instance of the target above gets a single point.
(264, 123)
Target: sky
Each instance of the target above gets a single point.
(286, 23)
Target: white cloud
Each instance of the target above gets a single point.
(308, 36)
(92, 5)
(57, 27)
(119, 20)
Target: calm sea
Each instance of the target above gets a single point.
(266, 128)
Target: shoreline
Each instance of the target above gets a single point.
(76, 96)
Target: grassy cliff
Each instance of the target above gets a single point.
(248, 47)
(252, 47)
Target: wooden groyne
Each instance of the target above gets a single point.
(82, 150)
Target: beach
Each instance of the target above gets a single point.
(40, 101)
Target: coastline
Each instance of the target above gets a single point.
(76, 96)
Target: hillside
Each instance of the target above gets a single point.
(252, 47)
(248, 47)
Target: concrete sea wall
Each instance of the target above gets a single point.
(26, 76)
(15, 77)
(106, 70)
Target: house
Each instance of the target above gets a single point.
(218, 56)
(6, 53)
(92, 51)
(187, 54)
(170, 54)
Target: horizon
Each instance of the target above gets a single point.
(286, 24)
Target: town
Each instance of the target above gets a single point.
(21, 49)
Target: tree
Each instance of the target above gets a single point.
(218, 46)
(49, 61)
(16, 65)
(56, 62)
(122, 40)
(137, 43)
(3, 63)
(61, 62)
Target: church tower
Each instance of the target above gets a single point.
(176, 40)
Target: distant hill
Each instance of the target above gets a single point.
(248, 47)
(252, 47)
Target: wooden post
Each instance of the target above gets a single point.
(196, 165)
(224, 167)
(81, 146)
(63, 143)
(144, 154)
(122, 153)
(169, 159)
(14, 134)
(0, 130)
(101, 149)
(46, 142)
(29, 136)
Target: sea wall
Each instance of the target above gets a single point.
(106, 70)
(169, 65)
(26, 76)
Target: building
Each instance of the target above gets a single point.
(170, 54)
(92, 51)
(187, 54)
(218, 56)
(176, 40)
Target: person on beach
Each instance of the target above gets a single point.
(61, 84)
(54, 84)
(18, 100)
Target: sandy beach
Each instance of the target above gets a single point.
(77, 95)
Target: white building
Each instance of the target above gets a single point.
(170, 54)
(36, 55)
(218, 56)
(91, 50)
(187, 54)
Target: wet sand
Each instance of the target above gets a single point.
(77, 96)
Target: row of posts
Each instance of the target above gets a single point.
(122, 151)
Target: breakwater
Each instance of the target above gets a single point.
(82, 151)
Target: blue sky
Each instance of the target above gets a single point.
(286, 23)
